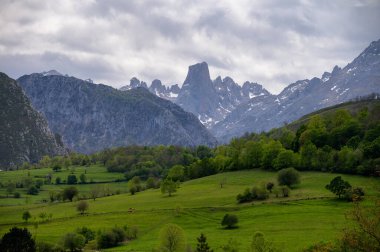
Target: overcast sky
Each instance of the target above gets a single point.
(270, 42)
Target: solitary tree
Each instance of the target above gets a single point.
(26, 216)
(83, 178)
(95, 192)
(69, 193)
(229, 221)
(72, 179)
(82, 206)
(172, 238)
(202, 245)
(18, 239)
(11, 187)
(169, 186)
(288, 177)
(338, 186)
(260, 244)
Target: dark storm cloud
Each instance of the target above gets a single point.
(270, 42)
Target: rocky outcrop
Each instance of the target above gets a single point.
(24, 132)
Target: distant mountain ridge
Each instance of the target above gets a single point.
(24, 132)
(91, 117)
(229, 110)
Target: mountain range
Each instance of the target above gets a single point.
(229, 110)
(91, 117)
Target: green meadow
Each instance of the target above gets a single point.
(311, 213)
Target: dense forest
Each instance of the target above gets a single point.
(344, 139)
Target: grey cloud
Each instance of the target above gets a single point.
(271, 42)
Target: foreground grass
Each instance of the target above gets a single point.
(309, 215)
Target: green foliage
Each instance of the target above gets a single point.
(260, 244)
(169, 186)
(87, 233)
(18, 239)
(72, 179)
(231, 246)
(33, 190)
(26, 216)
(176, 173)
(83, 178)
(82, 206)
(73, 242)
(111, 238)
(69, 193)
(202, 245)
(229, 221)
(338, 186)
(288, 177)
(172, 238)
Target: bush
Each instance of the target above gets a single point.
(82, 206)
(260, 193)
(284, 191)
(32, 190)
(245, 197)
(269, 186)
(69, 193)
(17, 195)
(288, 177)
(107, 240)
(18, 239)
(58, 180)
(87, 233)
(72, 179)
(229, 221)
(73, 242)
(338, 186)
(354, 194)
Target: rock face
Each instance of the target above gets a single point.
(359, 78)
(92, 117)
(24, 132)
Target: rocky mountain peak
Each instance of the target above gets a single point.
(336, 70)
(198, 75)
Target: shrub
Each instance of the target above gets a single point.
(229, 221)
(58, 180)
(284, 191)
(73, 242)
(33, 190)
(245, 197)
(338, 186)
(87, 233)
(288, 177)
(82, 206)
(269, 186)
(72, 179)
(106, 240)
(69, 193)
(17, 195)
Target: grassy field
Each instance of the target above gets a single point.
(311, 214)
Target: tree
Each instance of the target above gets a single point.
(288, 177)
(16, 240)
(231, 246)
(202, 245)
(176, 173)
(286, 158)
(134, 185)
(87, 233)
(94, 192)
(338, 186)
(33, 190)
(73, 242)
(172, 238)
(58, 180)
(82, 206)
(69, 193)
(11, 187)
(26, 216)
(259, 244)
(72, 179)
(83, 178)
(229, 221)
(365, 235)
(169, 186)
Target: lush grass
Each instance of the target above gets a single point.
(309, 215)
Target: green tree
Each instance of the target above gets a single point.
(288, 177)
(72, 179)
(87, 233)
(83, 178)
(259, 244)
(202, 245)
(338, 186)
(82, 206)
(229, 221)
(11, 187)
(176, 173)
(231, 246)
(270, 152)
(16, 240)
(69, 193)
(26, 216)
(169, 186)
(172, 238)
(73, 242)
(286, 158)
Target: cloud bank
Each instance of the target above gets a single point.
(270, 42)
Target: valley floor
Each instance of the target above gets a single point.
(311, 213)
